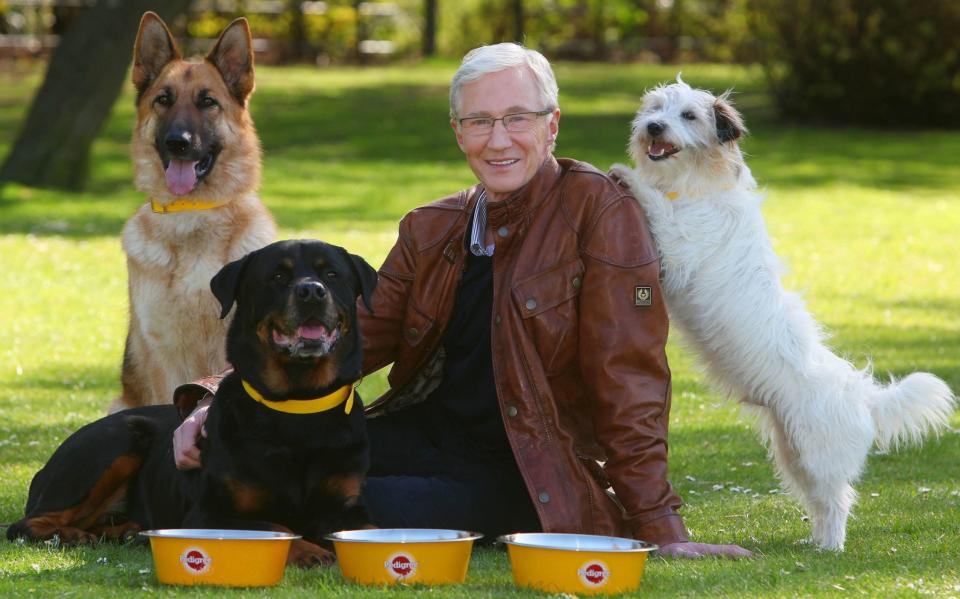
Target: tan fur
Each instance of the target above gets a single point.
(175, 334)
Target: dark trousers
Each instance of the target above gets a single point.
(427, 476)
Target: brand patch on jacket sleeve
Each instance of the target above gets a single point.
(643, 296)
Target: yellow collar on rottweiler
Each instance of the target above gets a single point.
(185, 205)
(306, 406)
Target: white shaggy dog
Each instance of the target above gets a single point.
(721, 279)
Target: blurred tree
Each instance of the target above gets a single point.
(430, 27)
(300, 46)
(876, 62)
(518, 28)
(83, 81)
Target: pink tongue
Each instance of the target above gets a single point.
(181, 177)
(311, 332)
(660, 147)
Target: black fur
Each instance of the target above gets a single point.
(727, 127)
(262, 469)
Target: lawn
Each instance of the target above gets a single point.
(867, 220)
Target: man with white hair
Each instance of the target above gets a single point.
(526, 328)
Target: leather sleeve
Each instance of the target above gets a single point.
(381, 329)
(187, 396)
(623, 363)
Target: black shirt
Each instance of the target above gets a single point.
(466, 400)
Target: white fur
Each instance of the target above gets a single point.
(721, 279)
(176, 335)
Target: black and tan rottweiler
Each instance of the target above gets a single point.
(286, 445)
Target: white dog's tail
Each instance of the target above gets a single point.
(904, 411)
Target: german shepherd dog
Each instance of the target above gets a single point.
(196, 156)
(286, 446)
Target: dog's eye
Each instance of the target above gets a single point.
(688, 114)
(332, 274)
(280, 277)
(207, 102)
(164, 100)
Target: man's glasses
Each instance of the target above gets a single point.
(517, 122)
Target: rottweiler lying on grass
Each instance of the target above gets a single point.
(286, 446)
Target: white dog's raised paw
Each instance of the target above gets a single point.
(628, 177)
(622, 174)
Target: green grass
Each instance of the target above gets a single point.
(867, 221)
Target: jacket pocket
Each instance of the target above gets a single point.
(547, 304)
(416, 325)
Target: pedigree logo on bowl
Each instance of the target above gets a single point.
(195, 560)
(401, 565)
(594, 574)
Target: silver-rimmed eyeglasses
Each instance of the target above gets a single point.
(518, 122)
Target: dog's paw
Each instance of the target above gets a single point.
(647, 195)
(622, 174)
(305, 554)
(74, 537)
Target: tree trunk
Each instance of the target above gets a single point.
(518, 21)
(84, 78)
(361, 32)
(430, 27)
(300, 46)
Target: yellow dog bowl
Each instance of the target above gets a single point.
(404, 555)
(576, 564)
(236, 558)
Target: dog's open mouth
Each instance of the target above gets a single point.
(661, 150)
(312, 339)
(183, 175)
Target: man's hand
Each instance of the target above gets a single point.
(697, 550)
(186, 454)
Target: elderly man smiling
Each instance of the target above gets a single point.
(526, 328)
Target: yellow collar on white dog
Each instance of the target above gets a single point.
(184, 205)
(306, 406)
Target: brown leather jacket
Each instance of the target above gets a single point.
(579, 329)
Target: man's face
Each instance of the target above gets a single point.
(505, 161)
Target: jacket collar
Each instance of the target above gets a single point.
(524, 200)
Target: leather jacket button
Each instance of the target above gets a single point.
(512, 411)
(544, 497)
(576, 282)
(496, 319)
(531, 304)
(503, 231)
(414, 331)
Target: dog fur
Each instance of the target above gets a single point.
(266, 465)
(194, 140)
(721, 279)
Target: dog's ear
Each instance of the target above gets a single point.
(729, 122)
(233, 57)
(366, 277)
(224, 284)
(152, 51)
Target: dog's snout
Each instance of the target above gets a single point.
(310, 291)
(178, 141)
(655, 128)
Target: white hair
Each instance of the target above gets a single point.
(497, 57)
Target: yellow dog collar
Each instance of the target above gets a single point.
(184, 205)
(306, 406)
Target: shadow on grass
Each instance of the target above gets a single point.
(70, 378)
(392, 137)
